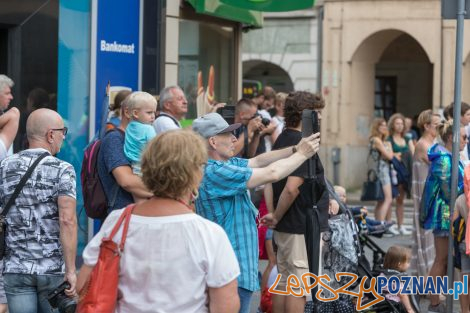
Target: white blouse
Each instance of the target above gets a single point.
(168, 262)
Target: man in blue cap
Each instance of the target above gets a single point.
(223, 193)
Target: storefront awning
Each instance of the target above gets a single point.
(229, 12)
(271, 5)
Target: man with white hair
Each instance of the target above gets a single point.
(41, 224)
(173, 107)
(10, 119)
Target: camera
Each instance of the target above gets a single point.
(265, 121)
(58, 299)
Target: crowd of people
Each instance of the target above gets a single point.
(427, 161)
(209, 201)
(189, 189)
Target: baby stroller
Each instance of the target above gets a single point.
(374, 269)
(343, 251)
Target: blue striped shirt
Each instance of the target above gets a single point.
(224, 199)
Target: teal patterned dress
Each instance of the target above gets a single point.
(435, 211)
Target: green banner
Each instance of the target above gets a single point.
(271, 5)
(229, 12)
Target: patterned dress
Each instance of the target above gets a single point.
(423, 248)
(434, 209)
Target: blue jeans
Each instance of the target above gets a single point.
(27, 293)
(245, 300)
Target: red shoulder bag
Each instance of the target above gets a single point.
(101, 291)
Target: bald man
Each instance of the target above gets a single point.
(41, 237)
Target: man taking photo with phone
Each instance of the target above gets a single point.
(289, 199)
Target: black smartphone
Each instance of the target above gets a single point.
(228, 113)
(310, 123)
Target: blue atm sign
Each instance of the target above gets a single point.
(115, 50)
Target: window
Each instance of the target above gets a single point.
(201, 45)
(385, 96)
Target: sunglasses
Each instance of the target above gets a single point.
(63, 130)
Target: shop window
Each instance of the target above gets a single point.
(385, 96)
(202, 45)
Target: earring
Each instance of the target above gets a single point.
(194, 195)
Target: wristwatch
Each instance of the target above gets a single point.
(294, 149)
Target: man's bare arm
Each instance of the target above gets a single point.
(68, 237)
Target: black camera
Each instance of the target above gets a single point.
(58, 299)
(265, 121)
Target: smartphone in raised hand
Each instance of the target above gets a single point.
(310, 123)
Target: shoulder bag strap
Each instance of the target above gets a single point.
(22, 183)
(125, 217)
(171, 117)
(245, 144)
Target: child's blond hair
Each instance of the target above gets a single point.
(138, 99)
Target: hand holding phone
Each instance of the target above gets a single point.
(310, 123)
(308, 146)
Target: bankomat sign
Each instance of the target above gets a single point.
(115, 51)
(116, 47)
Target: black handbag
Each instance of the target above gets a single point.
(12, 199)
(372, 188)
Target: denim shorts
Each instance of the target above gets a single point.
(440, 233)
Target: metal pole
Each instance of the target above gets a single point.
(456, 139)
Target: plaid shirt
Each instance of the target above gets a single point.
(224, 199)
(32, 237)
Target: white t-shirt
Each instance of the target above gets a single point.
(280, 123)
(168, 262)
(165, 123)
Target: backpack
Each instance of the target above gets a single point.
(94, 199)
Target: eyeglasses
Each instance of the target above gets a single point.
(63, 130)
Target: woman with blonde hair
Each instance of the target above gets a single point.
(174, 260)
(423, 247)
(403, 149)
(435, 202)
(381, 153)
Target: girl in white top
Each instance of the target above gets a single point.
(174, 260)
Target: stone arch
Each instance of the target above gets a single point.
(373, 44)
(397, 57)
(268, 73)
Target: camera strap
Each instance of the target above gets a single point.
(245, 145)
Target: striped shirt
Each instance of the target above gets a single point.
(224, 199)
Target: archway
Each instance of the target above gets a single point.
(403, 79)
(269, 74)
(391, 72)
